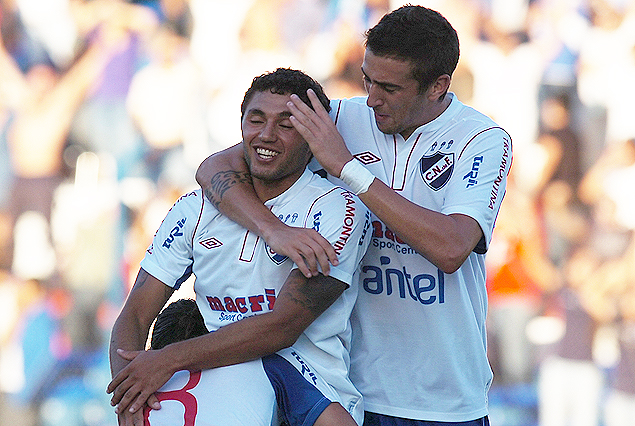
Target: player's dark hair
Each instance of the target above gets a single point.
(285, 81)
(419, 35)
(180, 320)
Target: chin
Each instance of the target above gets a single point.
(388, 130)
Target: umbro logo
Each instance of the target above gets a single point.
(210, 243)
(367, 157)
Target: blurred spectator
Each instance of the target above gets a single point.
(102, 124)
(498, 62)
(518, 274)
(36, 136)
(561, 142)
(166, 103)
(620, 401)
(607, 188)
(563, 215)
(607, 54)
(565, 223)
(570, 382)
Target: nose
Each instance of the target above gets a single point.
(374, 99)
(268, 133)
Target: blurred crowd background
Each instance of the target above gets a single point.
(108, 106)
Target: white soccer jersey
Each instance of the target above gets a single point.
(419, 343)
(237, 275)
(236, 395)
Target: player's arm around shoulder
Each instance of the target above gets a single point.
(226, 182)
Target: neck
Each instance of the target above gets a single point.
(268, 189)
(434, 113)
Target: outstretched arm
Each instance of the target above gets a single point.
(226, 182)
(299, 303)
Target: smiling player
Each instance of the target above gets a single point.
(255, 301)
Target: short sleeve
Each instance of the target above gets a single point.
(344, 221)
(169, 258)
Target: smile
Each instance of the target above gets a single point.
(265, 153)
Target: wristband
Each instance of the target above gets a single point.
(356, 176)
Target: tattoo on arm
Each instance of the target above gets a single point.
(142, 278)
(222, 181)
(316, 294)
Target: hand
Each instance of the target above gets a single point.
(135, 384)
(320, 132)
(304, 246)
(127, 418)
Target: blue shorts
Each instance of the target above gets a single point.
(300, 403)
(374, 419)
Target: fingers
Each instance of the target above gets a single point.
(317, 105)
(124, 389)
(119, 393)
(153, 402)
(130, 400)
(122, 375)
(302, 114)
(307, 259)
(313, 258)
(305, 268)
(318, 251)
(324, 252)
(137, 418)
(306, 247)
(114, 384)
(139, 402)
(127, 418)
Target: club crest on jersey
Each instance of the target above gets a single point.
(278, 259)
(436, 169)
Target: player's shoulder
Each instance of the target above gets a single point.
(355, 105)
(473, 121)
(189, 202)
(188, 198)
(352, 102)
(320, 186)
(335, 197)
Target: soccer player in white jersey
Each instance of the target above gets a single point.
(433, 172)
(239, 279)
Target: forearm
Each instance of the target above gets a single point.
(128, 335)
(130, 330)
(226, 182)
(245, 340)
(445, 240)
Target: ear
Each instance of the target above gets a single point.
(439, 87)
